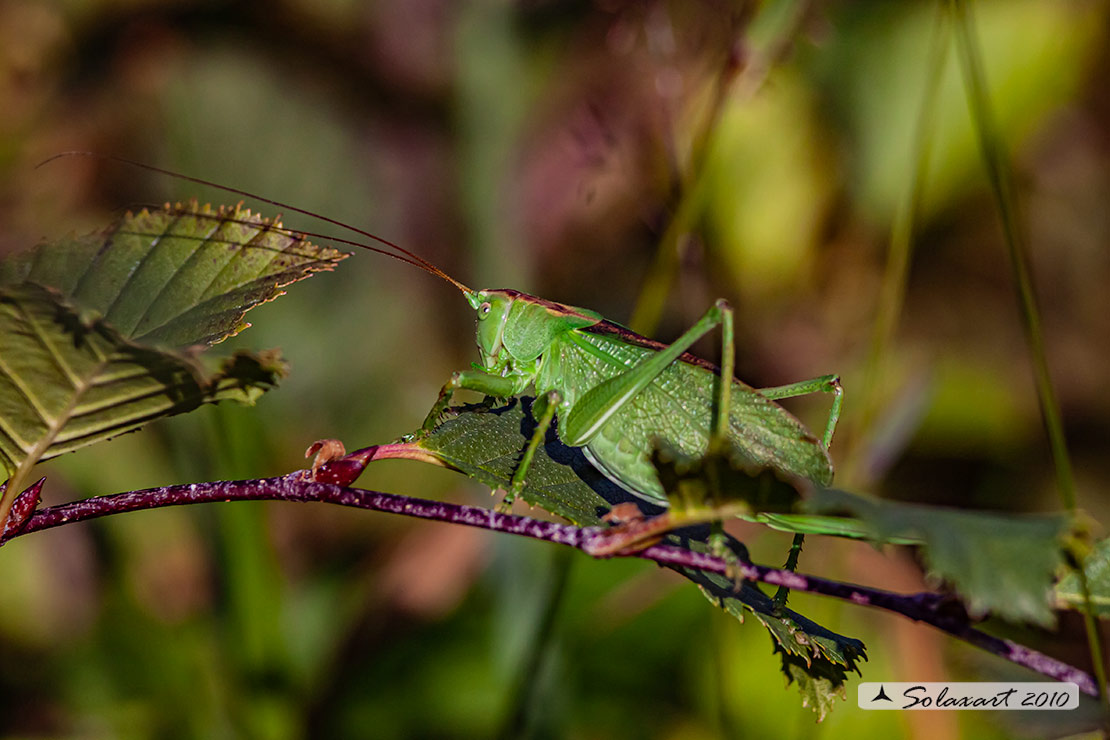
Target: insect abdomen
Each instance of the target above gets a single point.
(676, 407)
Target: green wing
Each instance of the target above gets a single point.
(676, 407)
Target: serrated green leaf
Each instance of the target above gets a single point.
(67, 381)
(815, 659)
(485, 444)
(820, 688)
(173, 277)
(999, 564)
(1069, 595)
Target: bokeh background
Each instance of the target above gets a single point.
(594, 154)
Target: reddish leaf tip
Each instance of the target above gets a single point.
(22, 508)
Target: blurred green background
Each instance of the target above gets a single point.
(547, 146)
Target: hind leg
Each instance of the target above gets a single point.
(824, 384)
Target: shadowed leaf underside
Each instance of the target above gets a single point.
(67, 382)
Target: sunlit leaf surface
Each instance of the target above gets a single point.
(177, 276)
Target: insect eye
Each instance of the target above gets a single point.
(483, 310)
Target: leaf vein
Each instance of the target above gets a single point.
(121, 400)
(92, 268)
(198, 250)
(55, 425)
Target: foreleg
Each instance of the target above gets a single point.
(471, 380)
(543, 409)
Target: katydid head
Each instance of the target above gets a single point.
(493, 308)
(515, 327)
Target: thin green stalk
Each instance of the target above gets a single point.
(1002, 186)
(528, 674)
(653, 296)
(892, 293)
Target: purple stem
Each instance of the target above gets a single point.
(923, 607)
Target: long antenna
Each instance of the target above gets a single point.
(409, 257)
